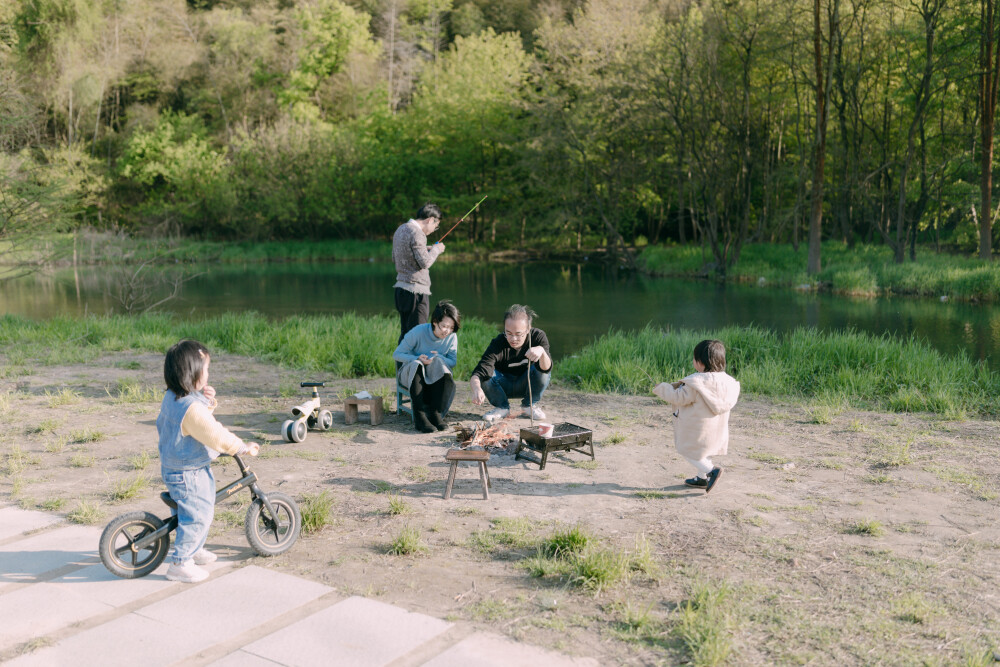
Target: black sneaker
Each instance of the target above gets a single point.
(714, 475)
(696, 482)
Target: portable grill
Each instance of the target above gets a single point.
(565, 437)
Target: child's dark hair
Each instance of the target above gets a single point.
(183, 366)
(712, 355)
(446, 308)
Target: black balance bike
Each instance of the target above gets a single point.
(134, 544)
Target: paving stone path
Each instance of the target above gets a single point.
(60, 606)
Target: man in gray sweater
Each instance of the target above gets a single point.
(413, 260)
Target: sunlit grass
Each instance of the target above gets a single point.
(828, 369)
(407, 542)
(316, 510)
(864, 270)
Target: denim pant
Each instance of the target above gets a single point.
(194, 493)
(502, 386)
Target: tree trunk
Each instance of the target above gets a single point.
(930, 10)
(822, 82)
(989, 72)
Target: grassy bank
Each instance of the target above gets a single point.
(105, 248)
(830, 369)
(344, 346)
(858, 271)
(100, 248)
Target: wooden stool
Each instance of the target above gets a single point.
(377, 412)
(478, 455)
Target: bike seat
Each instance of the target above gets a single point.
(165, 497)
(312, 384)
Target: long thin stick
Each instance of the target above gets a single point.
(463, 218)
(531, 400)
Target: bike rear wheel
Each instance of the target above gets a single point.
(117, 549)
(270, 536)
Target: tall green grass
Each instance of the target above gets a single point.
(341, 346)
(833, 368)
(861, 271)
(879, 372)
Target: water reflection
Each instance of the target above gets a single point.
(575, 302)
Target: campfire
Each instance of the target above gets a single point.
(501, 436)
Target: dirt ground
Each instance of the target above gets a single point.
(835, 536)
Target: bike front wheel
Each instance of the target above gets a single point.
(270, 536)
(117, 546)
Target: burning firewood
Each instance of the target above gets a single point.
(498, 436)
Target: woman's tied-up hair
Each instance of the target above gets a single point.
(183, 366)
(519, 312)
(712, 355)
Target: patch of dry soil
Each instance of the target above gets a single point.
(784, 533)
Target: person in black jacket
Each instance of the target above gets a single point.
(502, 373)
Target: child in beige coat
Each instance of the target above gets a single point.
(703, 401)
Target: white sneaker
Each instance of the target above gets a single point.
(187, 573)
(204, 557)
(534, 412)
(495, 415)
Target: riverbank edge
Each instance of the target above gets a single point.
(858, 272)
(829, 370)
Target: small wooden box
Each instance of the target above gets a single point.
(374, 405)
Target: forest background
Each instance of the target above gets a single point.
(613, 122)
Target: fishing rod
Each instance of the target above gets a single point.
(463, 218)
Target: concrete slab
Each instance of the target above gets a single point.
(353, 633)
(15, 521)
(98, 584)
(23, 560)
(244, 659)
(34, 611)
(124, 642)
(195, 619)
(489, 650)
(245, 598)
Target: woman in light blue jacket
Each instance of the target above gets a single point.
(427, 353)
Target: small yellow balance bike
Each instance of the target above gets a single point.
(307, 414)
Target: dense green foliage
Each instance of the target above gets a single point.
(863, 270)
(586, 121)
(833, 368)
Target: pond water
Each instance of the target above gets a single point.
(576, 302)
